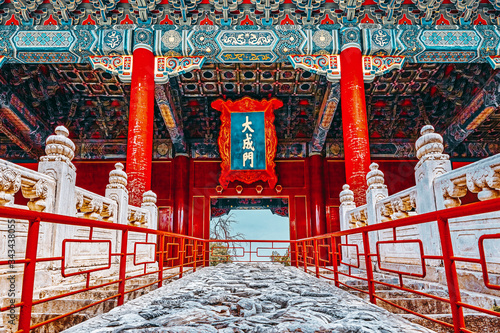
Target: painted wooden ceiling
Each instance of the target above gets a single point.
(94, 104)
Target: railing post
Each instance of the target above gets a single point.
(160, 260)
(123, 268)
(206, 244)
(316, 257)
(296, 254)
(335, 261)
(29, 275)
(369, 269)
(195, 252)
(181, 257)
(305, 255)
(451, 274)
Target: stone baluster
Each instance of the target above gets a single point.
(149, 202)
(346, 204)
(57, 163)
(432, 163)
(117, 191)
(377, 190)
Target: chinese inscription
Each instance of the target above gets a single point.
(247, 141)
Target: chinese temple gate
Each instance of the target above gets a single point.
(350, 82)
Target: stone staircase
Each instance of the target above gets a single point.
(54, 308)
(475, 321)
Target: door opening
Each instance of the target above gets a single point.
(244, 222)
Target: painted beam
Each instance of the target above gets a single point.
(172, 122)
(63, 44)
(325, 118)
(395, 148)
(19, 123)
(75, 44)
(223, 44)
(428, 44)
(485, 102)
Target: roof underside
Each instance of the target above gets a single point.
(94, 104)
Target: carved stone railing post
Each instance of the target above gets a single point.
(432, 163)
(346, 204)
(57, 163)
(149, 203)
(377, 191)
(117, 191)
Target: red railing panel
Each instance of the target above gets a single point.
(83, 241)
(135, 253)
(357, 255)
(484, 263)
(421, 253)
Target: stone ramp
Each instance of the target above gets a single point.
(248, 298)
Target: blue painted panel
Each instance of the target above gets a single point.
(248, 149)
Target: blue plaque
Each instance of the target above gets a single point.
(248, 141)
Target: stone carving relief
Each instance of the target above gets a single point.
(91, 206)
(397, 206)
(37, 193)
(485, 182)
(136, 217)
(482, 177)
(10, 183)
(358, 218)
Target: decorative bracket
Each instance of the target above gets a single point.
(494, 61)
(116, 65)
(328, 65)
(167, 67)
(328, 108)
(379, 65)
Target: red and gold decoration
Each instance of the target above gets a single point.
(247, 140)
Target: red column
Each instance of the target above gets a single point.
(181, 194)
(317, 195)
(140, 125)
(354, 122)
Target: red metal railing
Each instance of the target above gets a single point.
(324, 256)
(180, 253)
(314, 260)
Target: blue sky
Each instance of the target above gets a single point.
(260, 224)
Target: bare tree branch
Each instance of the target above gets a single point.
(221, 228)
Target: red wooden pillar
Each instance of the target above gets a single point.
(354, 120)
(317, 195)
(181, 194)
(140, 125)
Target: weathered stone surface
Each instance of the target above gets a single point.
(248, 298)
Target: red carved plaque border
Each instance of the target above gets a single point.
(247, 104)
